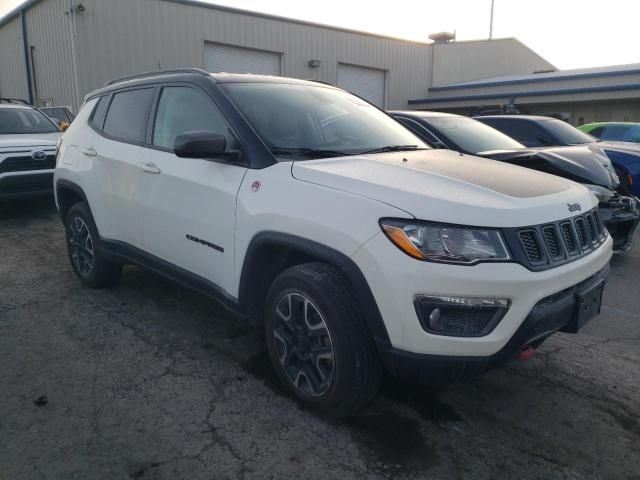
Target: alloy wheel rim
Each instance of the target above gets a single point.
(303, 345)
(81, 246)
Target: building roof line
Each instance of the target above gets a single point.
(550, 78)
(268, 16)
(535, 93)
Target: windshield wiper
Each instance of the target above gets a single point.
(393, 148)
(308, 152)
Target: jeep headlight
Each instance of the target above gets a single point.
(445, 243)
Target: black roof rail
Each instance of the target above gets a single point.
(322, 82)
(158, 72)
(13, 100)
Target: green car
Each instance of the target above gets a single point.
(613, 131)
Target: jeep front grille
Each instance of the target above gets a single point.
(531, 244)
(540, 247)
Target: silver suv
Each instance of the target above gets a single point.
(27, 150)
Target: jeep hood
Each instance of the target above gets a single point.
(445, 186)
(580, 164)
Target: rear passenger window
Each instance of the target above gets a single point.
(127, 116)
(182, 109)
(98, 114)
(527, 133)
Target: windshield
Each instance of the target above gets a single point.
(567, 134)
(24, 120)
(471, 135)
(303, 121)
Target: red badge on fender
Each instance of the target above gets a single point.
(255, 186)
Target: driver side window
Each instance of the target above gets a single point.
(182, 109)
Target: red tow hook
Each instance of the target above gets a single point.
(526, 353)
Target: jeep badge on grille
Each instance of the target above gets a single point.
(574, 207)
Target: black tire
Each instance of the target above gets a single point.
(83, 247)
(624, 181)
(352, 378)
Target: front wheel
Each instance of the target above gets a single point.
(317, 340)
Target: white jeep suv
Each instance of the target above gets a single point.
(318, 217)
(27, 150)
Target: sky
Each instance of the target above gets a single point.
(568, 33)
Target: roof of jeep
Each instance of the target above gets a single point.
(422, 113)
(535, 118)
(191, 73)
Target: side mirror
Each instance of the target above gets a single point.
(200, 144)
(63, 126)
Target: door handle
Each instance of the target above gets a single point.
(149, 167)
(89, 151)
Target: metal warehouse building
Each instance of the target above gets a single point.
(578, 96)
(56, 51)
(53, 52)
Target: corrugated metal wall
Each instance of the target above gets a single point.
(13, 76)
(466, 61)
(121, 37)
(48, 32)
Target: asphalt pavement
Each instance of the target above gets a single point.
(149, 380)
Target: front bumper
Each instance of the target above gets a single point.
(395, 279)
(26, 184)
(552, 313)
(621, 215)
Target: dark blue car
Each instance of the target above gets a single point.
(533, 131)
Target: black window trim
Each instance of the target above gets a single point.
(111, 95)
(92, 125)
(151, 123)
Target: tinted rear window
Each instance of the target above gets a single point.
(98, 114)
(525, 132)
(127, 116)
(58, 113)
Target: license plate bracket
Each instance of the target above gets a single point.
(588, 305)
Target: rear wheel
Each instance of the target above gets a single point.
(317, 340)
(83, 246)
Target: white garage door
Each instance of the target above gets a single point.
(225, 58)
(365, 82)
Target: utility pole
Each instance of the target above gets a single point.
(491, 22)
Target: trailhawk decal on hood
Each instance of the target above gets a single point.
(498, 177)
(441, 185)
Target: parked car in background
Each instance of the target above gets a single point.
(60, 115)
(345, 238)
(581, 164)
(613, 131)
(27, 150)
(534, 131)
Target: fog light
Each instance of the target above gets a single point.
(460, 316)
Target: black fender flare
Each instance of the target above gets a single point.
(75, 188)
(343, 263)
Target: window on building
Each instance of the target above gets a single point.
(182, 109)
(127, 116)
